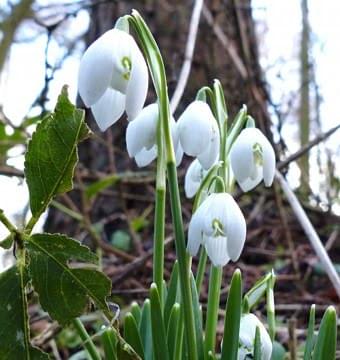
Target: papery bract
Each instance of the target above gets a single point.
(252, 159)
(113, 77)
(219, 224)
(199, 134)
(248, 325)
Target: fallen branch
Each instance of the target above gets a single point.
(310, 233)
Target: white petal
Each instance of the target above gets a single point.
(141, 132)
(138, 85)
(210, 155)
(250, 183)
(178, 154)
(236, 229)
(109, 108)
(145, 157)
(248, 325)
(217, 209)
(195, 128)
(95, 69)
(217, 250)
(193, 178)
(268, 162)
(194, 234)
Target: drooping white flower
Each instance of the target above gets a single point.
(141, 136)
(113, 77)
(252, 159)
(219, 224)
(248, 325)
(199, 134)
(193, 178)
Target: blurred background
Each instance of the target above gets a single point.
(280, 58)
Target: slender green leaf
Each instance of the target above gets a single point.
(172, 293)
(325, 346)
(160, 346)
(257, 344)
(14, 329)
(310, 341)
(136, 312)
(52, 153)
(64, 292)
(109, 341)
(198, 318)
(145, 329)
(232, 319)
(173, 329)
(279, 352)
(131, 334)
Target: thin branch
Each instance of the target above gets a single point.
(310, 233)
(307, 147)
(188, 56)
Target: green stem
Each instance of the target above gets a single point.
(86, 339)
(158, 243)
(184, 269)
(201, 269)
(212, 311)
(30, 225)
(6, 222)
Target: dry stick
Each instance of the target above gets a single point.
(310, 233)
(188, 55)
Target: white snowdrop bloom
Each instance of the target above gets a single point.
(141, 136)
(248, 325)
(219, 224)
(252, 159)
(113, 77)
(199, 134)
(193, 178)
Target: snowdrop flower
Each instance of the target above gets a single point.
(199, 134)
(141, 136)
(193, 178)
(252, 159)
(248, 325)
(219, 224)
(113, 77)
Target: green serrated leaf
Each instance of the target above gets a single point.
(52, 153)
(64, 292)
(14, 331)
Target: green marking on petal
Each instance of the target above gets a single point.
(126, 62)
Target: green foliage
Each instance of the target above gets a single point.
(310, 341)
(64, 291)
(131, 334)
(52, 153)
(121, 240)
(14, 330)
(257, 344)
(232, 319)
(145, 329)
(325, 346)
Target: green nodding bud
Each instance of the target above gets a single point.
(122, 24)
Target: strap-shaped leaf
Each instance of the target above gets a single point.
(14, 331)
(325, 346)
(232, 319)
(136, 312)
(64, 292)
(160, 347)
(131, 334)
(310, 341)
(173, 329)
(145, 329)
(52, 153)
(172, 293)
(257, 345)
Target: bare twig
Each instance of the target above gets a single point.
(189, 51)
(310, 233)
